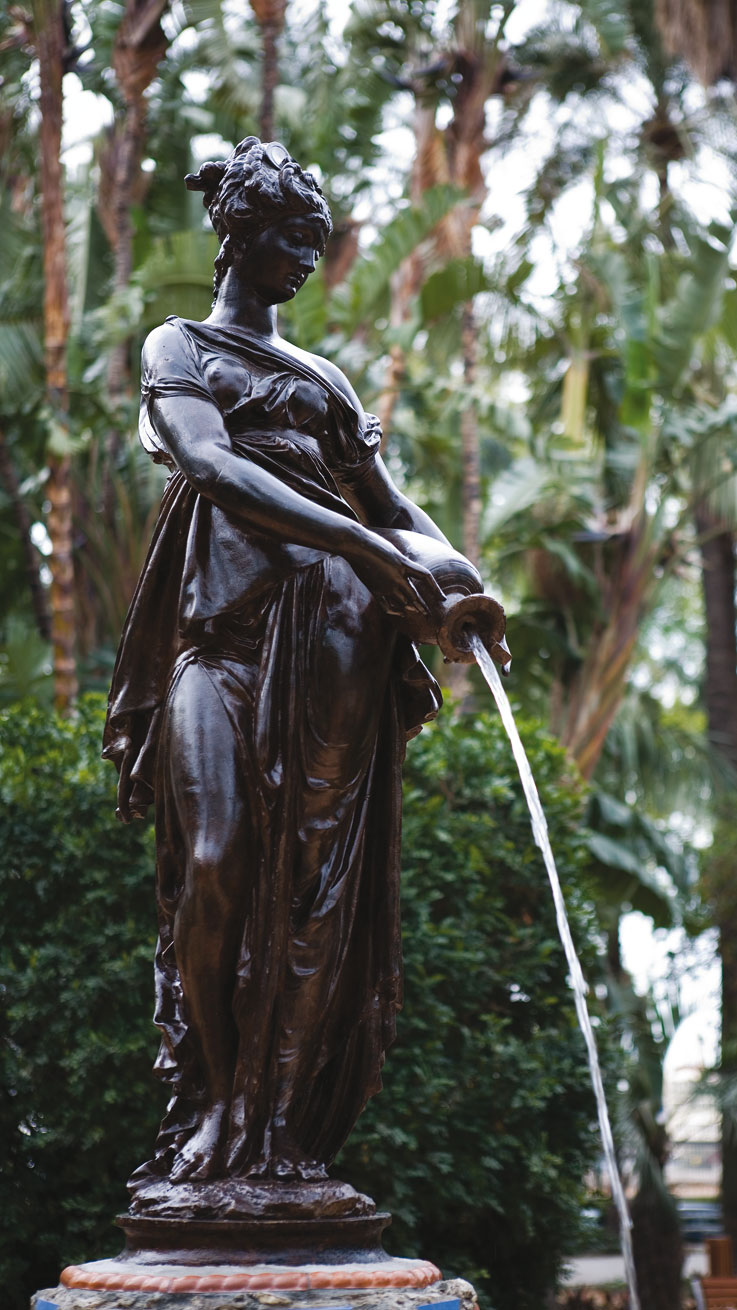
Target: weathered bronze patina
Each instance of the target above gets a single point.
(264, 691)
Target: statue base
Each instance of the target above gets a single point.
(214, 1247)
(246, 1199)
(448, 1294)
(247, 1242)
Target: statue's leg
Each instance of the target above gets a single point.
(349, 675)
(201, 771)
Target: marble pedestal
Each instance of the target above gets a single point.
(314, 1248)
(450, 1294)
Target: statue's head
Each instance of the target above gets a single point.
(254, 189)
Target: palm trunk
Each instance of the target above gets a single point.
(599, 685)
(270, 15)
(270, 36)
(50, 46)
(428, 170)
(718, 581)
(703, 32)
(140, 44)
(453, 155)
(658, 1250)
(126, 174)
(471, 455)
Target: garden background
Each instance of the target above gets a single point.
(531, 281)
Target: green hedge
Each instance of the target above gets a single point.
(482, 1135)
(79, 1106)
(483, 1132)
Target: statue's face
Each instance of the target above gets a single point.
(280, 259)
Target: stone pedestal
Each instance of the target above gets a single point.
(243, 1246)
(450, 1294)
(192, 1248)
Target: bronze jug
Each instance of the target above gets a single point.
(466, 609)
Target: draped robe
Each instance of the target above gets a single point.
(247, 611)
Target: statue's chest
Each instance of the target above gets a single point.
(251, 398)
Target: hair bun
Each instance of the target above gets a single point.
(247, 144)
(208, 178)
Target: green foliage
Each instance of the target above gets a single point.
(366, 290)
(25, 664)
(640, 330)
(79, 1106)
(484, 1130)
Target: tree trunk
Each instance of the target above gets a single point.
(703, 33)
(428, 170)
(720, 872)
(452, 155)
(598, 687)
(140, 44)
(270, 35)
(471, 455)
(718, 581)
(658, 1251)
(270, 15)
(50, 46)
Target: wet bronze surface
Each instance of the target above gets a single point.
(265, 687)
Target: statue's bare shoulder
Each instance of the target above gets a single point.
(164, 343)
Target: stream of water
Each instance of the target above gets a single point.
(540, 832)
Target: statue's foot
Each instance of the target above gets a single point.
(289, 1168)
(201, 1156)
(311, 1171)
(259, 1168)
(288, 1161)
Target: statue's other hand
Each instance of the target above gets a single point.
(400, 585)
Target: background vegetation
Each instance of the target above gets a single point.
(532, 283)
(486, 1072)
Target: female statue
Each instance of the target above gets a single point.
(261, 700)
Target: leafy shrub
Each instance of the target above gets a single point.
(483, 1131)
(79, 1107)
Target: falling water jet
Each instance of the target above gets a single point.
(470, 625)
(540, 832)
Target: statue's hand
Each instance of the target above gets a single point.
(399, 584)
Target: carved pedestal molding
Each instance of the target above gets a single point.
(119, 1275)
(450, 1294)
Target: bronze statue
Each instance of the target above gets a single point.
(261, 701)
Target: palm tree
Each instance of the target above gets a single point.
(705, 36)
(656, 1230)
(270, 15)
(51, 41)
(704, 33)
(463, 67)
(138, 47)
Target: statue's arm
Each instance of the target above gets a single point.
(383, 505)
(197, 439)
(193, 431)
(370, 488)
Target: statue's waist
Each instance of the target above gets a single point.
(275, 440)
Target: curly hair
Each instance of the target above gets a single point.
(254, 187)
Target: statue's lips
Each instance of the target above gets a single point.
(295, 281)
